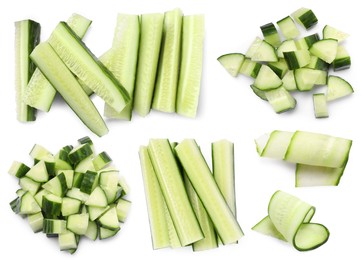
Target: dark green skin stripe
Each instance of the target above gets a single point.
(311, 39)
(89, 179)
(63, 182)
(67, 148)
(50, 208)
(22, 170)
(256, 69)
(341, 64)
(34, 39)
(77, 180)
(321, 65)
(85, 140)
(80, 154)
(291, 60)
(105, 157)
(276, 69)
(308, 19)
(268, 29)
(63, 155)
(15, 205)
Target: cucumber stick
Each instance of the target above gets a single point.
(123, 61)
(65, 83)
(27, 36)
(191, 65)
(168, 69)
(158, 212)
(289, 219)
(202, 180)
(171, 183)
(87, 68)
(40, 93)
(151, 32)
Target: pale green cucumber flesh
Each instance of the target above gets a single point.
(191, 66)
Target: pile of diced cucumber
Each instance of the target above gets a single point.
(155, 62)
(71, 194)
(187, 204)
(296, 63)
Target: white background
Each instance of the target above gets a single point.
(228, 109)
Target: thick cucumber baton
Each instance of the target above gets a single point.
(79, 59)
(168, 69)
(64, 81)
(155, 202)
(27, 36)
(150, 42)
(191, 65)
(40, 93)
(318, 149)
(204, 184)
(171, 183)
(289, 219)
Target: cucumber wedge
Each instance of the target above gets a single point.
(325, 49)
(232, 62)
(40, 93)
(78, 58)
(204, 184)
(171, 183)
(27, 36)
(191, 66)
(150, 42)
(289, 219)
(168, 70)
(338, 88)
(124, 60)
(65, 83)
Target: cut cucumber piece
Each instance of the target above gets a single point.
(210, 237)
(270, 34)
(109, 219)
(306, 42)
(342, 59)
(320, 105)
(171, 184)
(89, 182)
(253, 47)
(288, 81)
(79, 153)
(18, 169)
(101, 161)
(279, 67)
(280, 99)
(317, 64)
(96, 212)
(201, 177)
(308, 176)
(54, 226)
(92, 230)
(168, 69)
(318, 149)
(150, 42)
(67, 241)
(267, 79)
(57, 185)
(38, 172)
(297, 59)
(306, 78)
(78, 58)
(260, 93)
(289, 219)
(264, 53)
(286, 46)
(105, 233)
(51, 205)
(123, 62)
(305, 17)
(70, 206)
(78, 223)
(250, 68)
(338, 88)
(28, 184)
(97, 198)
(27, 36)
(288, 28)
(330, 32)
(223, 171)
(191, 66)
(157, 209)
(36, 222)
(25, 205)
(122, 208)
(65, 83)
(40, 93)
(325, 49)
